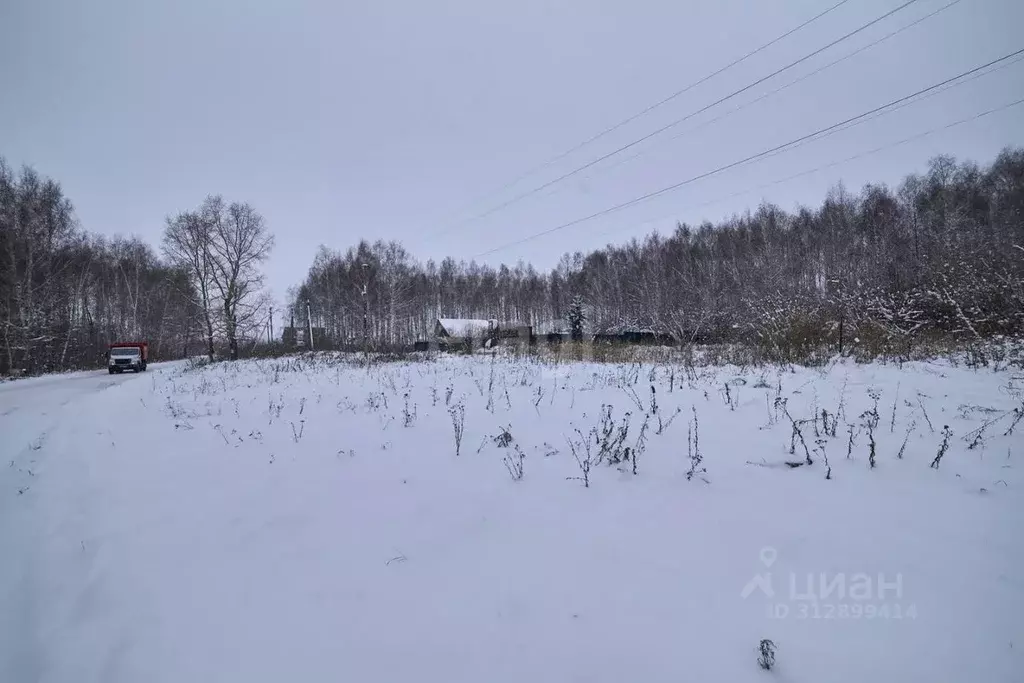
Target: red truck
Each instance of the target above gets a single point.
(123, 356)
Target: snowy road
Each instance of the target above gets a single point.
(41, 420)
(30, 408)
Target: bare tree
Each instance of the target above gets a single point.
(222, 247)
(187, 239)
(239, 244)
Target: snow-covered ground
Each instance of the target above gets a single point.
(310, 520)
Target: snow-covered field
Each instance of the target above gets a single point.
(311, 520)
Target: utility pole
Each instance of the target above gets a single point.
(270, 338)
(309, 325)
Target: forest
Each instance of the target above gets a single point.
(66, 293)
(939, 257)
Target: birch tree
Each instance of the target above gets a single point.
(187, 244)
(239, 244)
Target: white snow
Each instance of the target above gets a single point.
(277, 520)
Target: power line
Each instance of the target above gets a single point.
(821, 132)
(833, 164)
(911, 101)
(895, 105)
(745, 88)
(666, 100)
(765, 96)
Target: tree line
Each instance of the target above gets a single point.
(942, 254)
(66, 293)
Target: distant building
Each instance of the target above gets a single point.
(451, 334)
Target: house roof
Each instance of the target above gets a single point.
(464, 327)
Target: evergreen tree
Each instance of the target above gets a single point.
(576, 318)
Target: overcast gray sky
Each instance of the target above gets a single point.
(394, 120)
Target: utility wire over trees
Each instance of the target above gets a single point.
(646, 110)
(937, 256)
(771, 151)
(779, 89)
(831, 164)
(528, 193)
